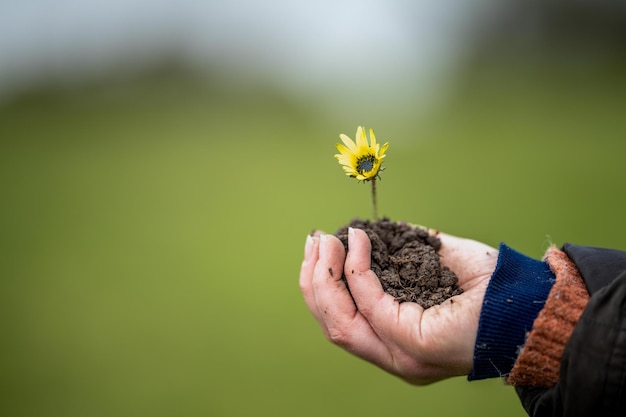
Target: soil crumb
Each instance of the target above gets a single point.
(406, 261)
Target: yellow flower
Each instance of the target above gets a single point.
(361, 160)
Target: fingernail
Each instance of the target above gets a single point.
(350, 235)
(323, 240)
(308, 247)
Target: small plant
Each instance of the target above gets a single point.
(403, 255)
(362, 160)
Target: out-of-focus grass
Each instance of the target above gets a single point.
(152, 237)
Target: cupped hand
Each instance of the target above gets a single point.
(420, 346)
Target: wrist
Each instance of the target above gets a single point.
(539, 361)
(516, 294)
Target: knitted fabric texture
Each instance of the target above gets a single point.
(517, 292)
(539, 360)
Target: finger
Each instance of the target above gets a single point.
(363, 282)
(342, 323)
(396, 324)
(311, 255)
(331, 297)
(470, 260)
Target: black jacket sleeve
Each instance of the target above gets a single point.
(597, 266)
(592, 377)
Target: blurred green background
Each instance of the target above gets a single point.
(153, 218)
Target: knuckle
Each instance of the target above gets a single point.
(366, 310)
(338, 337)
(305, 286)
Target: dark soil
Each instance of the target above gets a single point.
(406, 261)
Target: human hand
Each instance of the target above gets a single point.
(417, 345)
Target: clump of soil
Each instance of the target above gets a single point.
(405, 259)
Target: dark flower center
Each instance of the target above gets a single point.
(365, 163)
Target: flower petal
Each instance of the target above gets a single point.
(343, 150)
(383, 149)
(348, 142)
(373, 140)
(361, 139)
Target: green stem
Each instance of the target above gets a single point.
(374, 200)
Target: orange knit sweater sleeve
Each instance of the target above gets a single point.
(539, 359)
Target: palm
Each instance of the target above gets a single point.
(420, 346)
(439, 341)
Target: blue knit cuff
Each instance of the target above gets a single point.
(517, 292)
